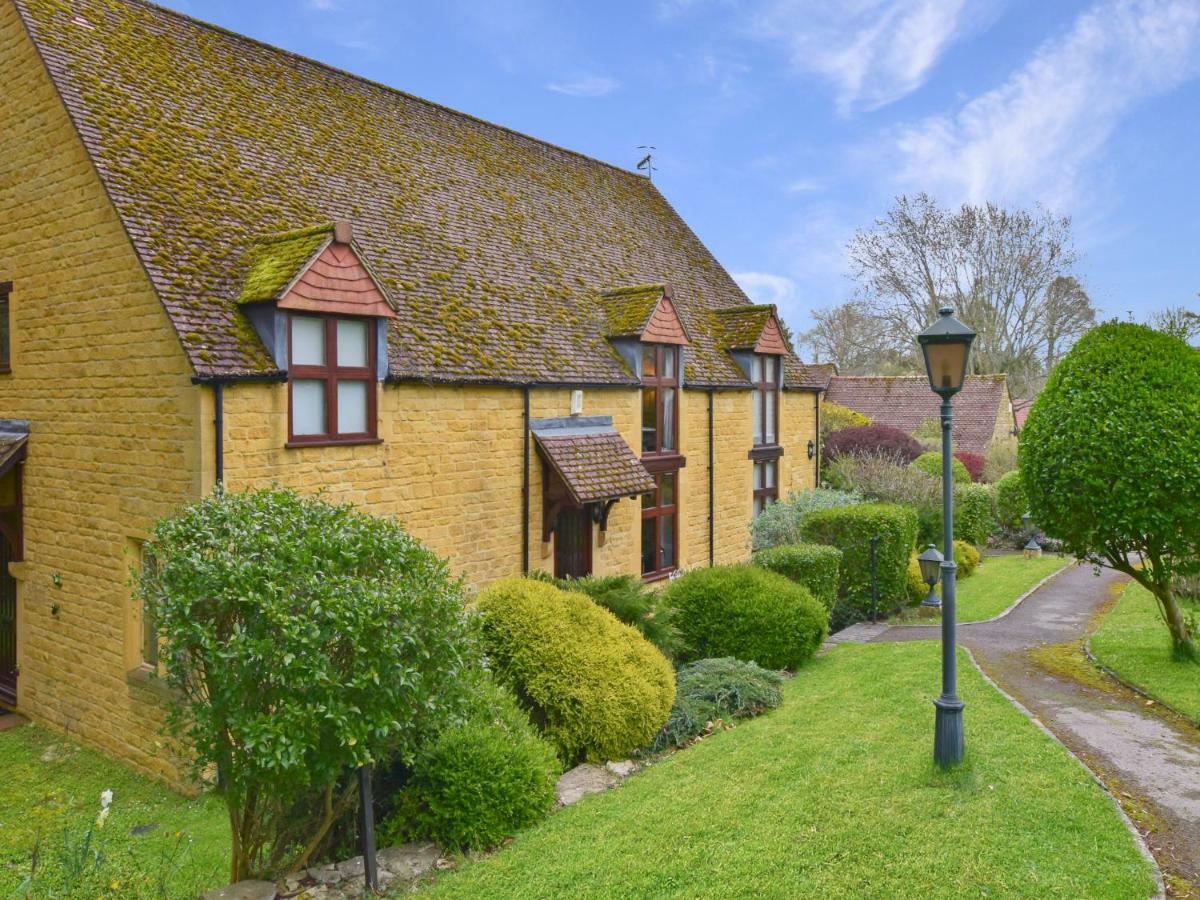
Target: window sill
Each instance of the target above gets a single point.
(765, 452)
(333, 442)
(663, 462)
(652, 577)
(146, 679)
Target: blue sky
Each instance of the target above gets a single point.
(782, 125)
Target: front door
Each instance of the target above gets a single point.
(8, 628)
(573, 543)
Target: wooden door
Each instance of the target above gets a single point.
(573, 543)
(8, 627)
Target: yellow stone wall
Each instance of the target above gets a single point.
(100, 375)
(797, 426)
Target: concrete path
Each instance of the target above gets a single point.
(1150, 762)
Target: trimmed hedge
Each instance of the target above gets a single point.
(594, 684)
(813, 565)
(974, 514)
(850, 530)
(1010, 500)
(712, 689)
(749, 613)
(931, 464)
(779, 523)
(479, 782)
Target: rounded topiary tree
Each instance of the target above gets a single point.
(1110, 459)
(1010, 500)
(931, 464)
(302, 639)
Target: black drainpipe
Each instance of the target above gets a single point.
(817, 441)
(712, 553)
(219, 428)
(525, 483)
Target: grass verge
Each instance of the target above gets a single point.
(1134, 643)
(835, 794)
(154, 843)
(996, 585)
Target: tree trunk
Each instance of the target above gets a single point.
(1184, 646)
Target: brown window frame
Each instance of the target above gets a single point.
(657, 513)
(5, 327)
(768, 495)
(331, 374)
(761, 390)
(659, 382)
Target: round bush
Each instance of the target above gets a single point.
(918, 590)
(478, 782)
(634, 603)
(598, 688)
(975, 463)
(813, 565)
(749, 613)
(966, 557)
(850, 529)
(931, 464)
(974, 513)
(711, 689)
(1010, 500)
(872, 440)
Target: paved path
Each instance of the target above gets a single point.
(1151, 764)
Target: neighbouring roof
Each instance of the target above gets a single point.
(492, 245)
(906, 402)
(592, 459)
(821, 373)
(1021, 411)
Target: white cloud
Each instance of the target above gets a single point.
(806, 186)
(763, 287)
(591, 86)
(873, 51)
(1031, 137)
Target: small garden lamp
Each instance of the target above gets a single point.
(946, 346)
(1032, 548)
(931, 570)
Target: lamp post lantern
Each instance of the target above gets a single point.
(946, 347)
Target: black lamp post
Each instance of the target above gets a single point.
(946, 346)
(931, 569)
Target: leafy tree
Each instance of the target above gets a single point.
(302, 639)
(1179, 321)
(1008, 272)
(1110, 460)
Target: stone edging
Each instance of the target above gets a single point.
(1129, 685)
(996, 618)
(1138, 840)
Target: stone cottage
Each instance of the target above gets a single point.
(224, 262)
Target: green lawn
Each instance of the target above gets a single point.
(48, 784)
(835, 795)
(994, 587)
(1133, 642)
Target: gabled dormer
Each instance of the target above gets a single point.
(318, 271)
(642, 314)
(747, 331)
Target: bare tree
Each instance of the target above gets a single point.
(853, 339)
(1180, 321)
(1007, 272)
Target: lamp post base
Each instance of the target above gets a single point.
(948, 732)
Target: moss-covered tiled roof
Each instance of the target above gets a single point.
(493, 245)
(275, 260)
(739, 328)
(628, 309)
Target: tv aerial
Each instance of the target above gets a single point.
(646, 163)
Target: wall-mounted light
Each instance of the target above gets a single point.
(812, 449)
(56, 579)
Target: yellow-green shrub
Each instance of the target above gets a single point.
(966, 557)
(597, 688)
(918, 590)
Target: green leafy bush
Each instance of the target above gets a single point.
(835, 417)
(812, 565)
(717, 689)
(918, 590)
(597, 688)
(779, 523)
(966, 557)
(633, 602)
(974, 513)
(850, 530)
(1110, 459)
(1010, 500)
(749, 613)
(931, 464)
(301, 639)
(479, 781)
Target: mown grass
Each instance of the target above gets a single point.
(1133, 642)
(835, 795)
(49, 798)
(996, 585)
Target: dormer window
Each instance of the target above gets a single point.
(765, 368)
(660, 393)
(331, 379)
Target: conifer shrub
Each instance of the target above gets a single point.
(594, 685)
(711, 690)
(835, 417)
(813, 565)
(850, 529)
(749, 613)
(966, 558)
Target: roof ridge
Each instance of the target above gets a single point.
(329, 67)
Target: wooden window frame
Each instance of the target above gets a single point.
(658, 512)
(331, 373)
(659, 382)
(5, 327)
(761, 390)
(768, 495)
